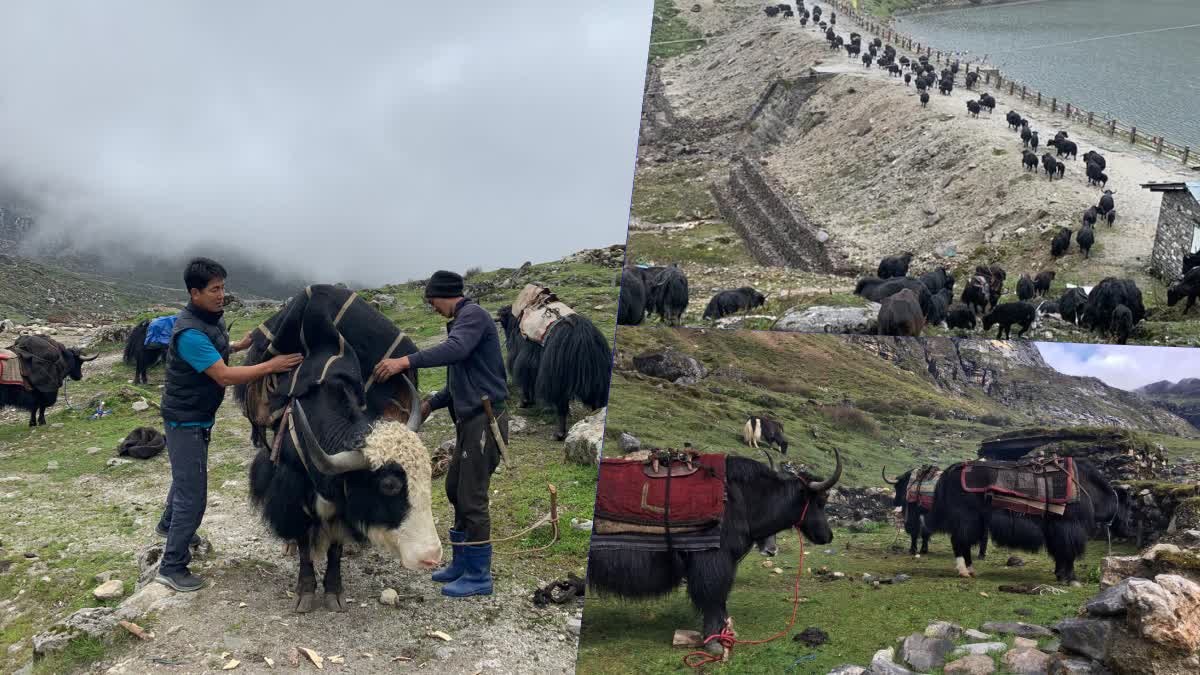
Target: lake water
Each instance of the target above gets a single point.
(1151, 80)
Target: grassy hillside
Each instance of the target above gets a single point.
(35, 290)
(828, 394)
(80, 517)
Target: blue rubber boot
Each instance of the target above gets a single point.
(458, 564)
(478, 578)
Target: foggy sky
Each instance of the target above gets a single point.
(1124, 367)
(377, 141)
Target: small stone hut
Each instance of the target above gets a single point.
(1178, 228)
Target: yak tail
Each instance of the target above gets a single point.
(135, 341)
(576, 363)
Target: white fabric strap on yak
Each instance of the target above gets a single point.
(386, 355)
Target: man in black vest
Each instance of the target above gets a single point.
(198, 371)
(474, 368)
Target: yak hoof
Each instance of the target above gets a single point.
(336, 602)
(560, 436)
(304, 602)
(715, 648)
(971, 571)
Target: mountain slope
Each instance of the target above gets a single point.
(1181, 398)
(32, 289)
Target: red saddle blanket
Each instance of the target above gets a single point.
(922, 485)
(626, 494)
(10, 368)
(1025, 487)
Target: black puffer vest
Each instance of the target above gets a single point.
(190, 396)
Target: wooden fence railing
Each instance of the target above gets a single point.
(992, 77)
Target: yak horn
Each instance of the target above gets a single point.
(829, 482)
(883, 472)
(414, 413)
(770, 460)
(331, 465)
(85, 360)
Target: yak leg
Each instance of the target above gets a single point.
(42, 416)
(709, 580)
(564, 407)
(962, 555)
(767, 546)
(306, 584)
(983, 540)
(335, 598)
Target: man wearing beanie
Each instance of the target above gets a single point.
(474, 368)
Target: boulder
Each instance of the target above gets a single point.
(883, 663)
(1061, 664)
(383, 300)
(1026, 661)
(974, 664)
(980, 648)
(1024, 643)
(1089, 637)
(1166, 610)
(109, 590)
(670, 365)
(1017, 628)
(925, 653)
(1116, 568)
(94, 622)
(1110, 602)
(976, 634)
(517, 424)
(585, 440)
(848, 670)
(630, 443)
(944, 630)
(1132, 654)
(821, 319)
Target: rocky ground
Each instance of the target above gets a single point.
(859, 158)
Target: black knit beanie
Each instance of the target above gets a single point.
(444, 284)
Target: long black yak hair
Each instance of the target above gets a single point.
(135, 342)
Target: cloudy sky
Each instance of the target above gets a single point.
(370, 140)
(1124, 367)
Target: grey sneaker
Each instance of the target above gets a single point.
(163, 533)
(184, 582)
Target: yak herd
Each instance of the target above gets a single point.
(663, 290)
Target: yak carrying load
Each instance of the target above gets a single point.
(43, 364)
(346, 463)
(554, 354)
(915, 490)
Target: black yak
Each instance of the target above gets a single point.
(1190, 262)
(1033, 140)
(975, 294)
(1029, 160)
(900, 314)
(45, 366)
(939, 304)
(554, 355)
(1093, 157)
(1061, 243)
(668, 294)
(937, 279)
(1072, 303)
(759, 503)
(894, 265)
(1122, 324)
(147, 345)
(1006, 314)
(1025, 287)
(1048, 163)
(631, 305)
(730, 302)
(988, 102)
(1106, 203)
(973, 108)
(971, 78)
(759, 429)
(1066, 147)
(876, 289)
(1086, 238)
(907, 79)
(924, 98)
(1106, 297)
(1090, 215)
(346, 469)
(913, 499)
(1014, 120)
(961, 316)
(1187, 287)
(1043, 281)
(1060, 169)
(1026, 135)
(969, 513)
(1096, 175)
(995, 276)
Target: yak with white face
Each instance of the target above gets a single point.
(348, 466)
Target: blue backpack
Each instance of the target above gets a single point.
(160, 330)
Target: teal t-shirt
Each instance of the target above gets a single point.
(201, 354)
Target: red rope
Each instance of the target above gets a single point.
(726, 637)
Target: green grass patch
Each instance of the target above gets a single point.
(673, 193)
(668, 26)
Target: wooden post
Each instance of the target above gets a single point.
(1159, 144)
(1053, 104)
(1186, 150)
(999, 80)
(1068, 111)
(1022, 92)
(1011, 87)
(987, 77)
(1112, 127)
(1039, 99)
(1133, 135)
(1089, 120)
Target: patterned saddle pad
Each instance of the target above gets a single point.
(922, 485)
(10, 368)
(1032, 487)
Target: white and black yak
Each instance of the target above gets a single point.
(760, 429)
(968, 511)
(727, 303)
(913, 501)
(631, 305)
(759, 502)
(347, 469)
(554, 355)
(45, 366)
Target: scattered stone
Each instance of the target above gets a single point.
(1061, 664)
(389, 597)
(1026, 661)
(973, 664)
(94, 622)
(883, 663)
(943, 630)
(900, 578)
(585, 440)
(1110, 602)
(1090, 637)
(848, 670)
(1017, 628)
(117, 461)
(924, 653)
(629, 443)
(860, 526)
(980, 648)
(823, 319)
(140, 406)
(1024, 643)
(1166, 610)
(976, 634)
(574, 625)
(670, 365)
(92, 451)
(517, 424)
(52, 465)
(383, 300)
(109, 590)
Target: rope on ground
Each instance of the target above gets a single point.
(551, 518)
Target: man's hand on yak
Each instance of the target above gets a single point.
(386, 368)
